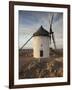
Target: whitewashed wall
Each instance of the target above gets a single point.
(41, 43)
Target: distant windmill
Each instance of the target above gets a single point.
(52, 33)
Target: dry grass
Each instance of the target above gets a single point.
(30, 67)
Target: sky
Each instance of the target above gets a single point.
(30, 21)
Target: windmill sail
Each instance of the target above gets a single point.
(52, 33)
(26, 42)
(51, 28)
(53, 40)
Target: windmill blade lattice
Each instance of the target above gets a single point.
(52, 33)
(53, 40)
(26, 42)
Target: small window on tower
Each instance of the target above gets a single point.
(41, 53)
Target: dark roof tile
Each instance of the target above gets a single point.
(41, 32)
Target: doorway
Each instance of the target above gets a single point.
(41, 53)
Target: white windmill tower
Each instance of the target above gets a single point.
(41, 42)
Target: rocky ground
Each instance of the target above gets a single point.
(41, 68)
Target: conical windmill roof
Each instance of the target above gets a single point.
(41, 32)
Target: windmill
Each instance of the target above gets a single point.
(41, 41)
(51, 32)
